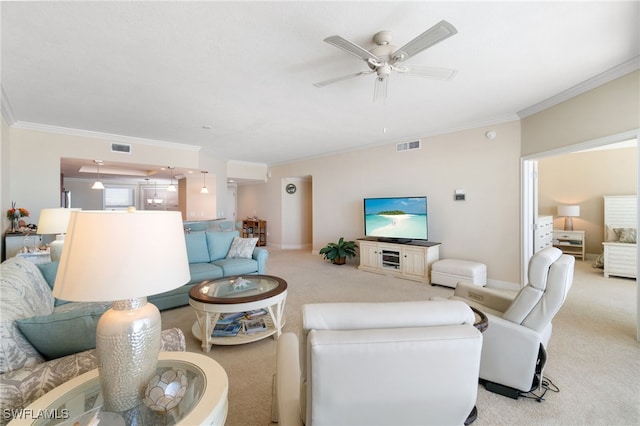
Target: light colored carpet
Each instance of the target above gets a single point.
(593, 356)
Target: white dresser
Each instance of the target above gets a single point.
(543, 235)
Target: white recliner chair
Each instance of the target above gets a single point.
(520, 327)
(396, 363)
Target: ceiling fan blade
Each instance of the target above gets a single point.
(344, 77)
(439, 32)
(429, 72)
(349, 47)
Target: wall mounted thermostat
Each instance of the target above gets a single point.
(459, 195)
(290, 188)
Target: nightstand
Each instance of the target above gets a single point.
(570, 242)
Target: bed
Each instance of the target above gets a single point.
(620, 239)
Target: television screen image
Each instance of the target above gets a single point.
(401, 218)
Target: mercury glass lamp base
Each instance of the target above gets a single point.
(127, 346)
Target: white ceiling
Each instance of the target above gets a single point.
(163, 70)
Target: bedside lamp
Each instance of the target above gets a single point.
(569, 212)
(123, 257)
(55, 221)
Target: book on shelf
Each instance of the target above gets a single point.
(254, 326)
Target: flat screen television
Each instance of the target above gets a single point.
(396, 219)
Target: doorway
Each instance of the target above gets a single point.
(529, 190)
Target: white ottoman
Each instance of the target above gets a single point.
(448, 272)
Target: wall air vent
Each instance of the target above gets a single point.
(118, 147)
(407, 146)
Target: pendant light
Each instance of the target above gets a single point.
(98, 184)
(204, 189)
(171, 187)
(155, 199)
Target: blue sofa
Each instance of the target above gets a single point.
(207, 254)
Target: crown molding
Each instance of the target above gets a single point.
(7, 110)
(104, 136)
(580, 88)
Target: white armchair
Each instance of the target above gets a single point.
(520, 327)
(396, 363)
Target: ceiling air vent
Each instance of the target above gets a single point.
(407, 146)
(118, 147)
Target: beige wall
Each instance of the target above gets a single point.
(604, 111)
(583, 179)
(485, 227)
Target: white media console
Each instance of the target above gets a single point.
(410, 260)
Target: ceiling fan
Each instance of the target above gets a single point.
(385, 58)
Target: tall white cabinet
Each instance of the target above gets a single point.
(408, 261)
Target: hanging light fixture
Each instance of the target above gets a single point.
(204, 189)
(155, 199)
(98, 184)
(171, 187)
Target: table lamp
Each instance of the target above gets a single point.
(123, 257)
(569, 212)
(55, 221)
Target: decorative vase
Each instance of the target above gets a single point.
(14, 224)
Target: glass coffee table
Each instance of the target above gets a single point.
(237, 295)
(79, 401)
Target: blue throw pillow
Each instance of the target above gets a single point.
(62, 333)
(49, 271)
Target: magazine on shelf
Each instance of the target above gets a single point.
(254, 326)
(230, 317)
(256, 313)
(227, 330)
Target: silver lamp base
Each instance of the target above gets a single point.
(568, 223)
(127, 346)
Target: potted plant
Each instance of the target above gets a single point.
(338, 252)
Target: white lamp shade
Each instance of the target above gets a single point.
(114, 255)
(54, 221)
(569, 211)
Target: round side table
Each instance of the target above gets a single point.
(79, 400)
(211, 299)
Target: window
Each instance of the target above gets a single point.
(118, 198)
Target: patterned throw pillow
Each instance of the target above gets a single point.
(627, 235)
(242, 248)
